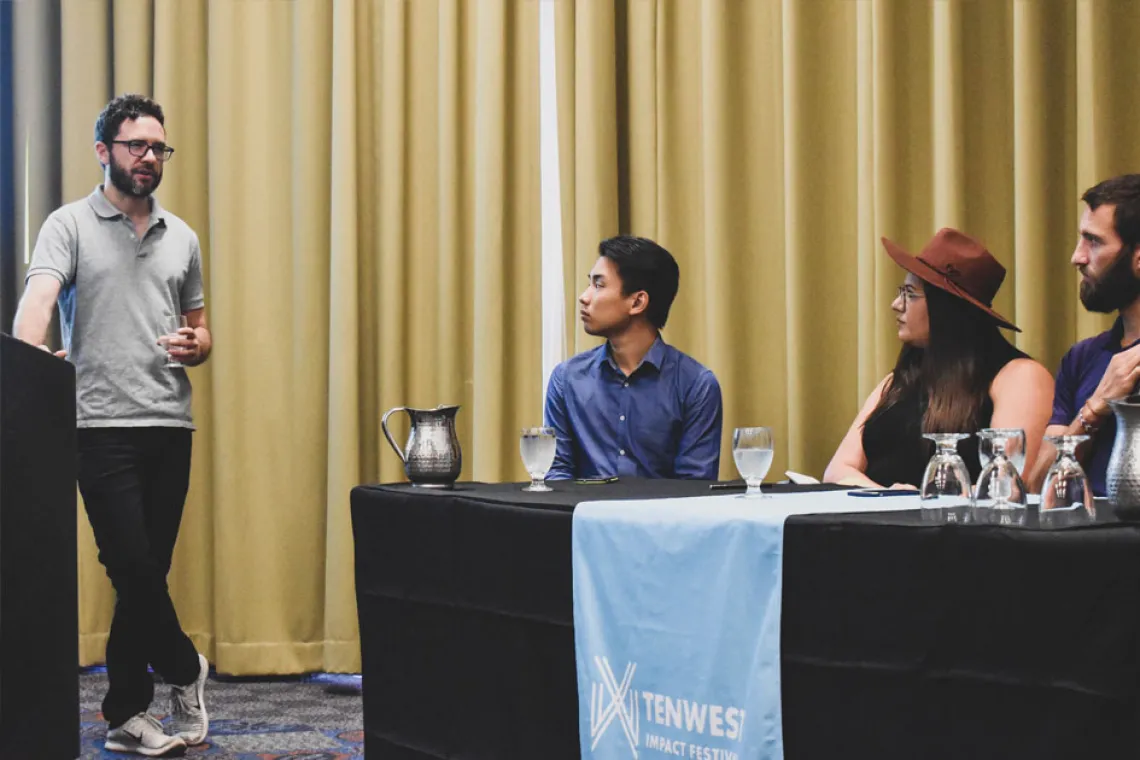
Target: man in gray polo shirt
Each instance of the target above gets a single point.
(123, 270)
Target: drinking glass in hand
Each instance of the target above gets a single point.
(168, 331)
(752, 451)
(1066, 498)
(946, 488)
(537, 446)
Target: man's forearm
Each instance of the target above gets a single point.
(32, 323)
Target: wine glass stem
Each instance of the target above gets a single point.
(753, 488)
(537, 482)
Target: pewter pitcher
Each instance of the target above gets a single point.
(432, 458)
(1123, 476)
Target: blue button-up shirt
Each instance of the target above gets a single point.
(1078, 377)
(663, 421)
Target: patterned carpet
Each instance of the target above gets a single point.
(305, 718)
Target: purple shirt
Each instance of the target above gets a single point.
(1080, 373)
(663, 421)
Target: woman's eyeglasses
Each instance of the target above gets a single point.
(908, 294)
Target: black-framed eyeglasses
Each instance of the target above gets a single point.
(139, 148)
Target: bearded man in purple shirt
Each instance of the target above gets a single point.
(1107, 366)
(635, 406)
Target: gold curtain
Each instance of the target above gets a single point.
(363, 178)
(769, 144)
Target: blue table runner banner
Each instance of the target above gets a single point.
(677, 623)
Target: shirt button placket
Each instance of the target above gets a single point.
(623, 433)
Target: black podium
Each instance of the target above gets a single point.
(39, 618)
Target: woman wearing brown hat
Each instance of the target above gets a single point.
(956, 372)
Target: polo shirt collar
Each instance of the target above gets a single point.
(107, 210)
(1110, 341)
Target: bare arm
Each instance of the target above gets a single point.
(33, 316)
(1118, 381)
(849, 464)
(1022, 394)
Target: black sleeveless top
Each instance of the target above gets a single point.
(895, 449)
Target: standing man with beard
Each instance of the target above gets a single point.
(1105, 367)
(120, 267)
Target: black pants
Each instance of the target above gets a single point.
(134, 483)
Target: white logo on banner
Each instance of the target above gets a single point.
(698, 722)
(621, 704)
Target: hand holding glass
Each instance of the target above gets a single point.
(537, 446)
(168, 331)
(752, 451)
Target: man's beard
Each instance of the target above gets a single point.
(1114, 289)
(127, 183)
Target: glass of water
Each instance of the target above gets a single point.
(168, 330)
(537, 446)
(752, 451)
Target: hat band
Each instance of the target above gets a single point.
(951, 273)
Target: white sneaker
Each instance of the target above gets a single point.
(143, 735)
(188, 719)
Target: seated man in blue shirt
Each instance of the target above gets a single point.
(636, 406)
(1107, 366)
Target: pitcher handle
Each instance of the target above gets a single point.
(388, 435)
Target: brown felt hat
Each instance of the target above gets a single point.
(955, 262)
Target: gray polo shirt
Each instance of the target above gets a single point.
(116, 292)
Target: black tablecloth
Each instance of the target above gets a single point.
(907, 641)
(466, 616)
(900, 640)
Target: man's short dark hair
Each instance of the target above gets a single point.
(124, 108)
(644, 265)
(1124, 193)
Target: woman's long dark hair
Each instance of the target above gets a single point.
(953, 373)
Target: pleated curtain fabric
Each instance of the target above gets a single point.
(769, 145)
(363, 175)
(364, 180)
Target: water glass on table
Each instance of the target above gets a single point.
(168, 328)
(537, 446)
(752, 451)
(1000, 495)
(946, 489)
(1066, 497)
(1012, 441)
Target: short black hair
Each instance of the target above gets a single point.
(124, 108)
(644, 265)
(1124, 193)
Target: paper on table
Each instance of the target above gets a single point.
(800, 479)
